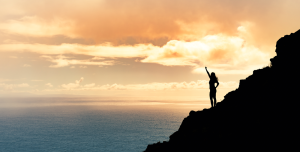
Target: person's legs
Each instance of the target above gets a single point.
(211, 99)
(215, 101)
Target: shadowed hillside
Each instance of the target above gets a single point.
(261, 115)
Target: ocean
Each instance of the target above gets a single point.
(87, 128)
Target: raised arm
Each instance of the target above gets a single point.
(207, 72)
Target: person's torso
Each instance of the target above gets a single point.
(211, 84)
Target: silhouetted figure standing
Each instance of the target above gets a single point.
(213, 89)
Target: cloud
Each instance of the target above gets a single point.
(23, 85)
(78, 81)
(11, 87)
(70, 86)
(26, 65)
(158, 20)
(83, 67)
(226, 36)
(99, 51)
(98, 58)
(200, 84)
(13, 57)
(113, 87)
(62, 61)
(49, 84)
(224, 54)
(4, 80)
(79, 88)
(89, 85)
(34, 26)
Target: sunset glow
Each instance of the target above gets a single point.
(102, 47)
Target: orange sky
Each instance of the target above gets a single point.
(118, 48)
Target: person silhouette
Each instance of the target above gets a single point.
(213, 89)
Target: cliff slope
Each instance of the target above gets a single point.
(262, 114)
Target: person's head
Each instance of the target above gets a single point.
(213, 75)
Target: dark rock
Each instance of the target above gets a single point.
(262, 114)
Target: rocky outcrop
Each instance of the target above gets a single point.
(261, 115)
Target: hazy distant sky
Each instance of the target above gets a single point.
(137, 47)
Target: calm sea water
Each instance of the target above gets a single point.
(86, 128)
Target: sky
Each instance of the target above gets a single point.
(143, 49)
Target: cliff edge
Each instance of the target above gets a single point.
(262, 114)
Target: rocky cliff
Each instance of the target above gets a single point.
(262, 114)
